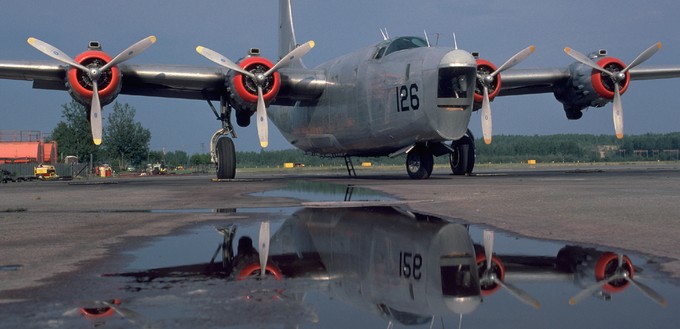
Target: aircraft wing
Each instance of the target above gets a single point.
(546, 80)
(174, 81)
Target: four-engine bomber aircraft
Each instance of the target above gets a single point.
(399, 96)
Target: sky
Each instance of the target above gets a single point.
(496, 28)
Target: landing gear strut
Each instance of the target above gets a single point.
(222, 149)
(462, 159)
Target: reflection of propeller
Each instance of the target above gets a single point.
(621, 273)
(259, 80)
(616, 77)
(487, 80)
(94, 74)
(489, 276)
(263, 245)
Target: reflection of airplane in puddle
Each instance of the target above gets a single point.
(406, 267)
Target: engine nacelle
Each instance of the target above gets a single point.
(80, 86)
(587, 87)
(243, 90)
(485, 68)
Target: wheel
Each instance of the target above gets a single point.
(226, 158)
(419, 163)
(462, 159)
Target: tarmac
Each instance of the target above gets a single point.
(51, 230)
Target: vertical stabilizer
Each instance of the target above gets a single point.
(286, 31)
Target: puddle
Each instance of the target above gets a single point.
(366, 267)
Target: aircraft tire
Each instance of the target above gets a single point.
(419, 163)
(462, 159)
(226, 158)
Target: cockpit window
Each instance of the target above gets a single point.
(398, 44)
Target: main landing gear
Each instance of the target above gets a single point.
(462, 159)
(222, 149)
(420, 159)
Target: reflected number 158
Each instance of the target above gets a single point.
(410, 264)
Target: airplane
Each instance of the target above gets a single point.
(400, 96)
(403, 267)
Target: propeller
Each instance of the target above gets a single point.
(93, 73)
(263, 245)
(259, 80)
(490, 276)
(487, 80)
(621, 273)
(617, 78)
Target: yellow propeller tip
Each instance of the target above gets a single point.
(264, 144)
(567, 49)
(312, 44)
(533, 48)
(619, 136)
(31, 40)
(153, 39)
(97, 141)
(199, 49)
(487, 141)
(658, 45)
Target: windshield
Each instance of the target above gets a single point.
(398, 44)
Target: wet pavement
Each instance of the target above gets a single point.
(348, 256)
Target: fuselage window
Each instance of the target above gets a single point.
(380, 52)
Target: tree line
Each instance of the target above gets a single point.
(126, 143)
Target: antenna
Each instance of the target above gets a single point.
(426, 38)
(384, 33)
(455, 43)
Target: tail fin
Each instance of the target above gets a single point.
(286, 31)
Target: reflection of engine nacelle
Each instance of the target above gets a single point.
(484, 68)
(243, 90)
(590, 265)
(79, 84)
(587, 87)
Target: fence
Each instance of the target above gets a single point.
(63, 169)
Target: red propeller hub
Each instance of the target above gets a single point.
(607, 266)
(108, 84)
(603, 83)
(497, 267)
(247, 89)
(485, 68)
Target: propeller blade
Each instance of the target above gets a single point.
(55, 53)
(649, 292)
(618, 114)
(130, 52)
(294, 54)
(514, 60)
(264, 246)
(589, 290)
(96, 115)
(520, 294)
(488, 248)
(583, 59)
(262, 124)
(223, 61)
(486, 117)
(645, 55)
